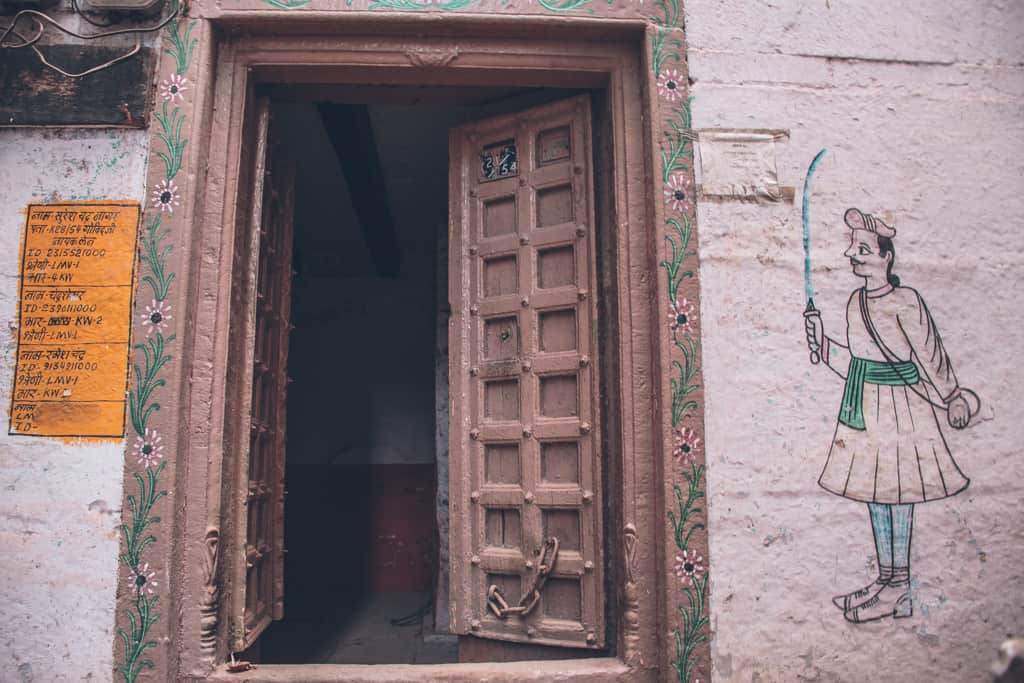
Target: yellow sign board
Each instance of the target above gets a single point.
(77, 270)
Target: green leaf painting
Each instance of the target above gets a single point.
(666, 45)
(287, 4)
(134, 640)
(154, 257)
(691, 632)
(565, 5)
(679, 243)
(449, 5)
(170, 135)
(676, 146)
(141, 508)
(147, 379)
(444, 5)
(180, 44)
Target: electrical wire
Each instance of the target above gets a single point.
(25, 42)
(92, 22)
(45, 18)
(41, 20)
(42, 58)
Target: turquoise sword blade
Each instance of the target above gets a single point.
(808, 290)
(806, 214)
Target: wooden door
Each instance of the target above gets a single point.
(258, 567)
(524, 438)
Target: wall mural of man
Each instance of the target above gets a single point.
(888, 450)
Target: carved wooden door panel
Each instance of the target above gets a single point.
(525, 500)
(259, 571)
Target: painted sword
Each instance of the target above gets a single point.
(806, 211)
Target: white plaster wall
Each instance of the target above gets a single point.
(60, 503)
(921, 106)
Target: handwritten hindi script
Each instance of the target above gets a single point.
(74, 329)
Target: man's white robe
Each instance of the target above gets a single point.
(901, 455)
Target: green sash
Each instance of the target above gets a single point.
(862, 370)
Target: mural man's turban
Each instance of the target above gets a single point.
(858, 220)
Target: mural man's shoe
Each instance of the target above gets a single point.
(860, 596)
(892, 601)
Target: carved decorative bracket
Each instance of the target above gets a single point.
(435, 58)
(210, 598)
(630, 601)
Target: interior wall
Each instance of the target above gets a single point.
(362, 358)
(361, 405)
(920, 108)
(361, 354)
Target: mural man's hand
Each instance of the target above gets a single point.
(958, 412)
(815, 331)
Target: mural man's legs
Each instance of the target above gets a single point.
(889, 595)
(902, 524)
(892, 526)
(881, 527)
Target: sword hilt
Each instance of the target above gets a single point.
(809, 312)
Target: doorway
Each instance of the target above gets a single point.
(366, 514)
(413, 50)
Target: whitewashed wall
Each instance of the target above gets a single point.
(60, 503)
(921, 106)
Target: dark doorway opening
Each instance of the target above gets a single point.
(366, 525)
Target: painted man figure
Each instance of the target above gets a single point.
(888, 450)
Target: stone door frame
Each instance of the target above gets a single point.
(324, 47)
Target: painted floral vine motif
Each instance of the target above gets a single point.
(446, 5)
(676, 146)
(170, 135)
(151, 359)
(181, 44)
(676, 154)
(142, 583)
(691, 571)
(452, 5)
(289, 4)
(670, 85)
(154, 256)
(666, 46)
(565, 5)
